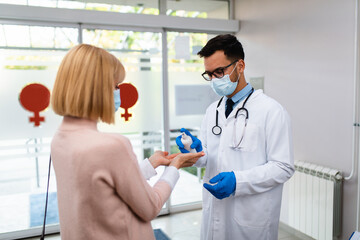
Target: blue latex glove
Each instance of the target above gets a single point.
(196, 142)
(226, 185)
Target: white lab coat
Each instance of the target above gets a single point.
(261, 167)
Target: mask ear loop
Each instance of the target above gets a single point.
(234, 69)
(237, 80)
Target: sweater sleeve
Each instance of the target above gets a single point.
(147, 169)
(131, 186)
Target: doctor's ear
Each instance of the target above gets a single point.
(241, 66)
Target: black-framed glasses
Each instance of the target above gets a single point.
(218, 73)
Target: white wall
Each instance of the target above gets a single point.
(305, 51)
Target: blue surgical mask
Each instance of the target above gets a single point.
(224, 86)
(117, 99)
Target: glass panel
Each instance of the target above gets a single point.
(185, 8)
(189, 95)
(31, 37)
(140, 52)
(25, 148)
(17, 36)
(135, 6)
(2, 36)
(17, 2)
(199, 9)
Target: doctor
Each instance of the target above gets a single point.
(246, 137)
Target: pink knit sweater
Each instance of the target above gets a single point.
(102, 193)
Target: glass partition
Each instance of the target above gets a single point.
(31, 55)
(189, 96)
(28, 55)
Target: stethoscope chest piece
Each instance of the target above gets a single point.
(216, 130)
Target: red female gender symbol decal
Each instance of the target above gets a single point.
(129, 96)
(35, 98)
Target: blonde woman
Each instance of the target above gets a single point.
(102, 191)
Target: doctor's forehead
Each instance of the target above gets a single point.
(218, 59)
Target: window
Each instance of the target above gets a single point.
(28, 54)
(184, 8)
(189, 96)
(199, 9)
(140, 7)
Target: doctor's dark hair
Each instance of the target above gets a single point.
(228, 43)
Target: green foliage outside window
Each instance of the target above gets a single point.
(18, 67)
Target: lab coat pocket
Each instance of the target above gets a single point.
(250, 140)
(252, 210)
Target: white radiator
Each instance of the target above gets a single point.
(315, 201)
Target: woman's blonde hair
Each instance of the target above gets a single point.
(85, 82)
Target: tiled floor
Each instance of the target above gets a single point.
(183, 226)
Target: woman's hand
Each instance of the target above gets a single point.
(161, 158)
(186, 159)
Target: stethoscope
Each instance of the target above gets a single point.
(216, 130)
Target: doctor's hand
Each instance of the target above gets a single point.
(195, 145)
(161, 158)
(186, 159)
(224, 187)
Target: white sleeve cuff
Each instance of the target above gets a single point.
(147, 169)
(171, 176)
(237, 191)
(201, 162)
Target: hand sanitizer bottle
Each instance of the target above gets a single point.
(187, 141)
